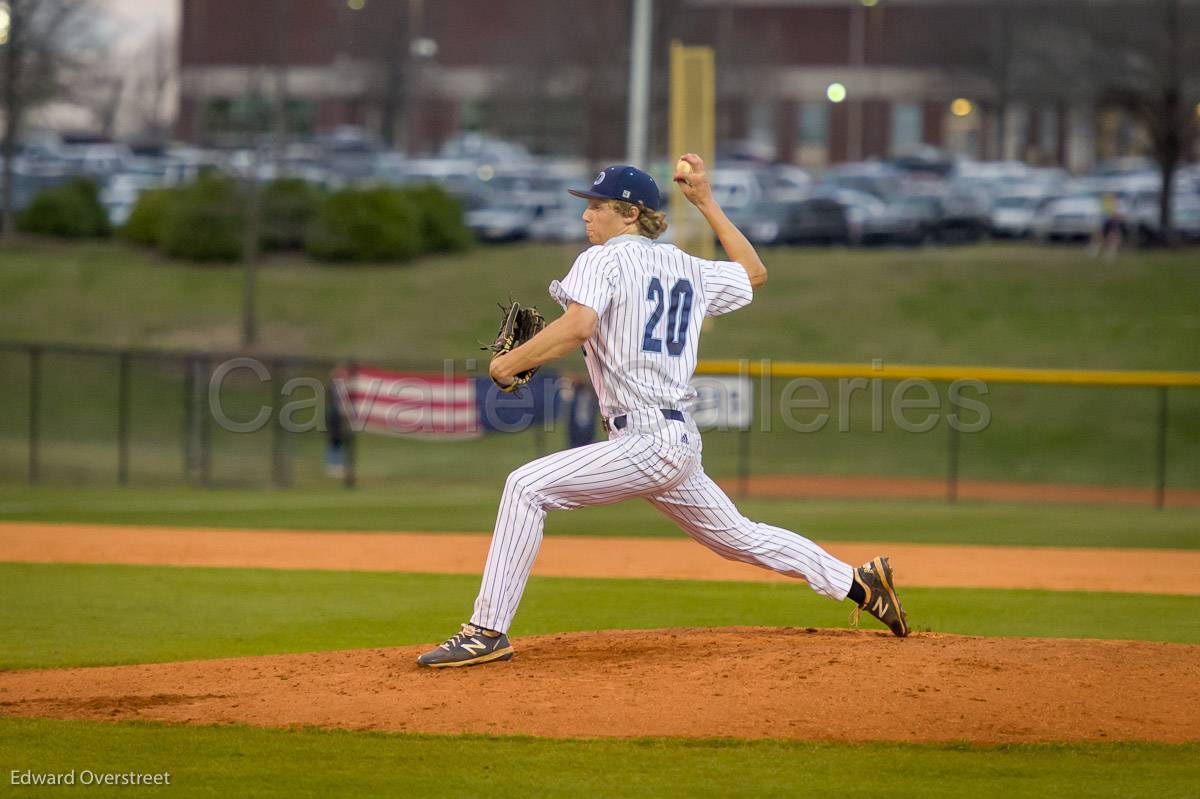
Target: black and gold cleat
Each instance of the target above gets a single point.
(875, 579)
(470, 647)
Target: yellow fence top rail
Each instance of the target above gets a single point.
(993, 374)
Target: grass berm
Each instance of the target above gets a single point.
(1008, 305)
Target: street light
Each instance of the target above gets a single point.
(424, 48)
(961, 107)
(836, 92)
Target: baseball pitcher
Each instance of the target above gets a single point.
(635, 306)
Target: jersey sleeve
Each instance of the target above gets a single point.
(726, 287)
(590, 282)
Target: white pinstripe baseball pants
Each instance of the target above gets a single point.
(659, 460)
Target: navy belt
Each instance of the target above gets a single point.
(620, 422)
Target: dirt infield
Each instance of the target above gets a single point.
(1061, 569)
(736, 682)
(733, 682)
(844, 486)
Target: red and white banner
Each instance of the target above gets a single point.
(408, 403)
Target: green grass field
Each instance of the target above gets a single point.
(427, 506)
(304, 762)
(54, 615)
(73, 615)
(1008, 305)
(63, 615)
(1002, 305)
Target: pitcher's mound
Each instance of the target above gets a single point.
(734, 682)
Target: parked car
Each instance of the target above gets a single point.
(857, 206)
(98, 160)
(32, 175)
(949, 218)
(785, 183)
(874, 177)
(744, 198)
(965, 216)
(926, 212)
(1068, 218)
(531, 202)
(561, 219)
(770, 213)
(1143, 217)
(482, 149)
(509, 220)
(993, 172)
(817, 220)
(897, 222)
(1012, 216)
(764, 221)
(459, 177)
(925, 161)
(121, 191)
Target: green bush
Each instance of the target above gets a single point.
(442, 226)
(206, 221)
(147, 221)
(378, 224)
(288, 208)
(72, 211)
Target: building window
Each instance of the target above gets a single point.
(812, 131)
(762, 122)
(963, 133)
(230, 117)
(907, 126)
(473, 114)
(814, 125)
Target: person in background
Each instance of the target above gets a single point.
(1108, 239)
(335, 442)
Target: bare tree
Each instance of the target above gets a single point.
(1003, 46)
(1144, 58)
(1141, 56)
(46, 39)
(100, 88)
(151, 73)
(565, 84)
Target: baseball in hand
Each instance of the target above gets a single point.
(683, 166)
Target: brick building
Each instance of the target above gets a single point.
(553, 73)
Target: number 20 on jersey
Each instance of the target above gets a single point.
(678, 312)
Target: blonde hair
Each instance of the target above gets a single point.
(651, 223)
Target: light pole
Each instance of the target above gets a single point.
(639, 83)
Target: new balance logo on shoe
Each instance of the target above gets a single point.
(875, 578)
(474, 646)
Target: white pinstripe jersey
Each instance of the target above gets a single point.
(651, 299)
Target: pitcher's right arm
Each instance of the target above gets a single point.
(696, 189)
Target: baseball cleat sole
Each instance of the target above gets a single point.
(499, 654)
(884, 570)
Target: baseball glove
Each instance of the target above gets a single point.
(518, 326)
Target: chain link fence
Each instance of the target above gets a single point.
(89, 415)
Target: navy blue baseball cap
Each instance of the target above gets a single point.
(626, 183)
